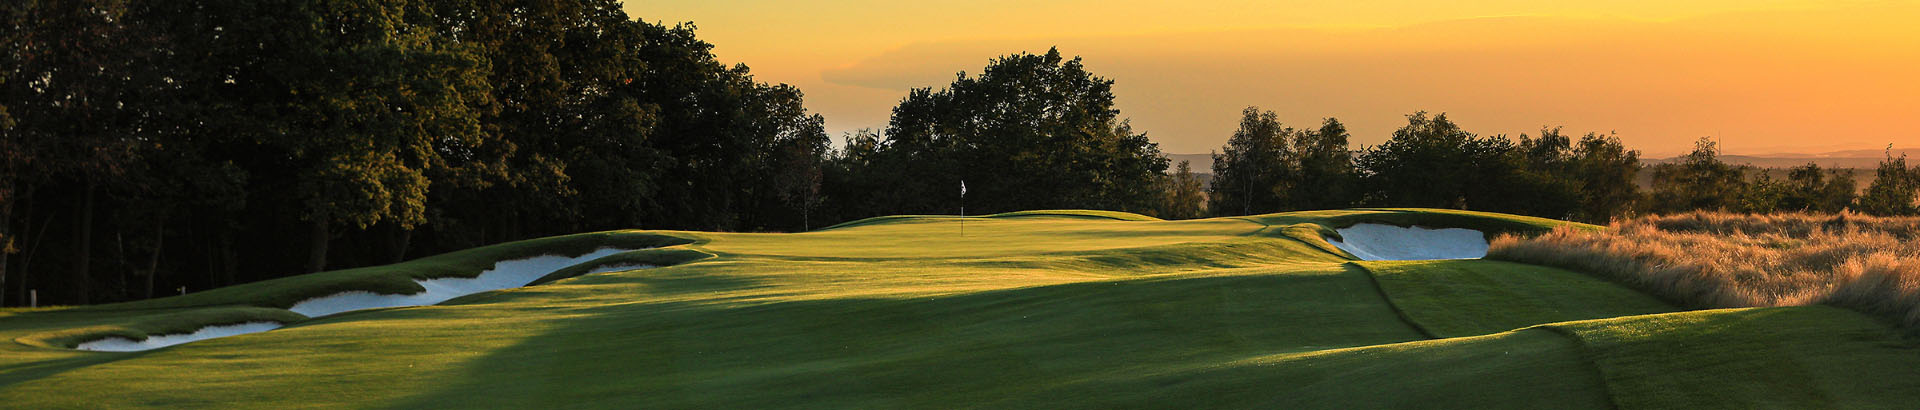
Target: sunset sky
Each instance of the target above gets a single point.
(1763, 76)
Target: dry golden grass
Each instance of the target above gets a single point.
(1717, 260)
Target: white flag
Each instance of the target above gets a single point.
(963, 187)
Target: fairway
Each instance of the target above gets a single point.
(1043, 309)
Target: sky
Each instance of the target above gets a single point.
(1760, 76)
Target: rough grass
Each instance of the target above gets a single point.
(1720, 260)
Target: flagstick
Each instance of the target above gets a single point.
(963, 207)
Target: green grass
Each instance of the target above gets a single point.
(1455, 298)
(1042, 309)
(1806, 357)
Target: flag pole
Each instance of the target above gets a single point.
(963, 207)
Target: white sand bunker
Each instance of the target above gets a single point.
(121, 344)
(505, 274)
(1377, 242)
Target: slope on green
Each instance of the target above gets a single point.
(1806, 357)
(1454, 298)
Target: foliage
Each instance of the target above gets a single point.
(1430, 162)
(1257, 169)
(1810, 189)
(1700, 181)
(204, 132)
(1030, 132)
(1606, 170)
(1327, 178)
(1185, 197)
(1894, 189)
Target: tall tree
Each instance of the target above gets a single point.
(13, 158)
(1257, 169)
(1326, 173)
(342, 104)
(797, 172)
(1533, 176)
(1030, 132)
(1185, 197)
(1606, 170)
(1427, 163)
(79, 59)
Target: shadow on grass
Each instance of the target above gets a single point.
(1029, 345)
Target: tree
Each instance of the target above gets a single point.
(1257, 168)
(13, 158)
(80, 60)
(1030, 132)
(1606, 170)
(1763, 195)
(1326, 173)
(1811, 189)
(382, 90)
(1534, 176)
(1427, 163)
(797, 173)
(204, 130)
(1700, 181)
(1893, 190)
(1185, 197)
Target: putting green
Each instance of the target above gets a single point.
(1043, 309)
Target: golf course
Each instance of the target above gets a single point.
(1038, 309)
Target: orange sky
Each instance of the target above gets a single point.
(1763, 76)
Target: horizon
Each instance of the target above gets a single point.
(1759, 77)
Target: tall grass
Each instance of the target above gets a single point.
(1717, 260)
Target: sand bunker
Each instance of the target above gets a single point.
(1376, 242)
(121, 344)
(505, 274)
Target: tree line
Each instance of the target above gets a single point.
(153, 145)
(1431, 162)
(150, 146)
